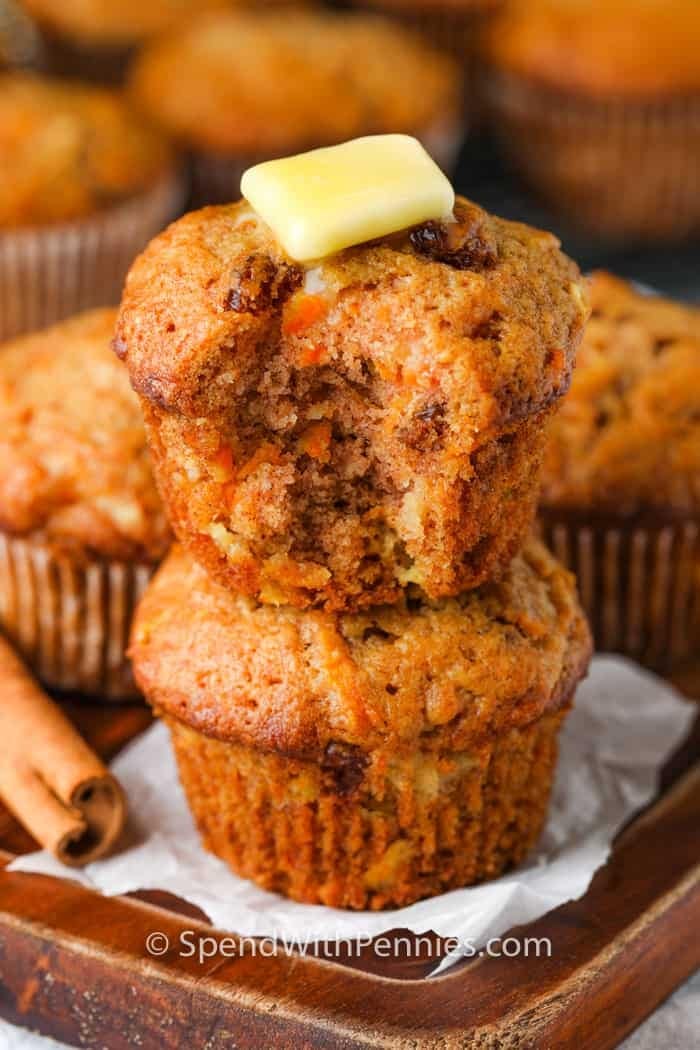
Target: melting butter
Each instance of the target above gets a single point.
(320, 202)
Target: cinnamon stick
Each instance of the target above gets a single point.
(49, 778)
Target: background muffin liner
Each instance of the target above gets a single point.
(98, 63)
(216, 177)
(621, 170)
(351, 833)
(70, 620)
(639, 583)
(50, 272)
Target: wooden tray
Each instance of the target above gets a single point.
(74, 965)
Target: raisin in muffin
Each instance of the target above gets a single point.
(598, 103)
(240, 87)
(621, 494)
(365, 760)
(81, 525)
(84, 183)
(328, 436)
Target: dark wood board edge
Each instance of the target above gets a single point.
(73, 965)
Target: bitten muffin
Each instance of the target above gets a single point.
(621, 484)
(81, 525)
(598, 101)
(84, 183)
(239, 87)
(365, 760)
(328, 436)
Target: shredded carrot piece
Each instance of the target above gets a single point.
(265, 453)
(556, 360)
(224, 458)
(316, 440)
(303, 311)
(312, 354)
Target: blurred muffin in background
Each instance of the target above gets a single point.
(238, 88)
(81, 525)
(96, 38)
(621, 483)
(598, 104)
(84, 184)
(453, 26)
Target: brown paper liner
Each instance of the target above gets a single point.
(639, 583)
(51, 272)
(49, 778)
(97, 63)
(70, 621)
(216, 177)
(619, 169)
(402, 828)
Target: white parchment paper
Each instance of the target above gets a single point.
(624, 724)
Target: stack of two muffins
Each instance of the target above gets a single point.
(363, 661)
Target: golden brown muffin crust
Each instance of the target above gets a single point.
(626, 48)
(447, 674)
(282, 82)
(69, 150)
(74, 468)
(492, 318)
(627, 436)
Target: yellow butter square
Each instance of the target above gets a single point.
(320, 202)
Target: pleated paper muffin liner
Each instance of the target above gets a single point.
(620, 170)
(70, 621)
(50, 272)
(356, 833)
(216, 177)
(639, 583)
(97, 63)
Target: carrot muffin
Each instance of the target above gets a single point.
(365, 760)
(96, 38)
(598, 101)
(81, 526)
(238, 87)
(327, 436)
(84, 183)
(621, 495)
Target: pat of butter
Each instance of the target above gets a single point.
(320, 202)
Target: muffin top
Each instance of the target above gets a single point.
(627, 48)
(481, 316)
(74, 468)
(116, 21)
(627, 436)
(69, 150)
(443, 674)
(276, 82)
